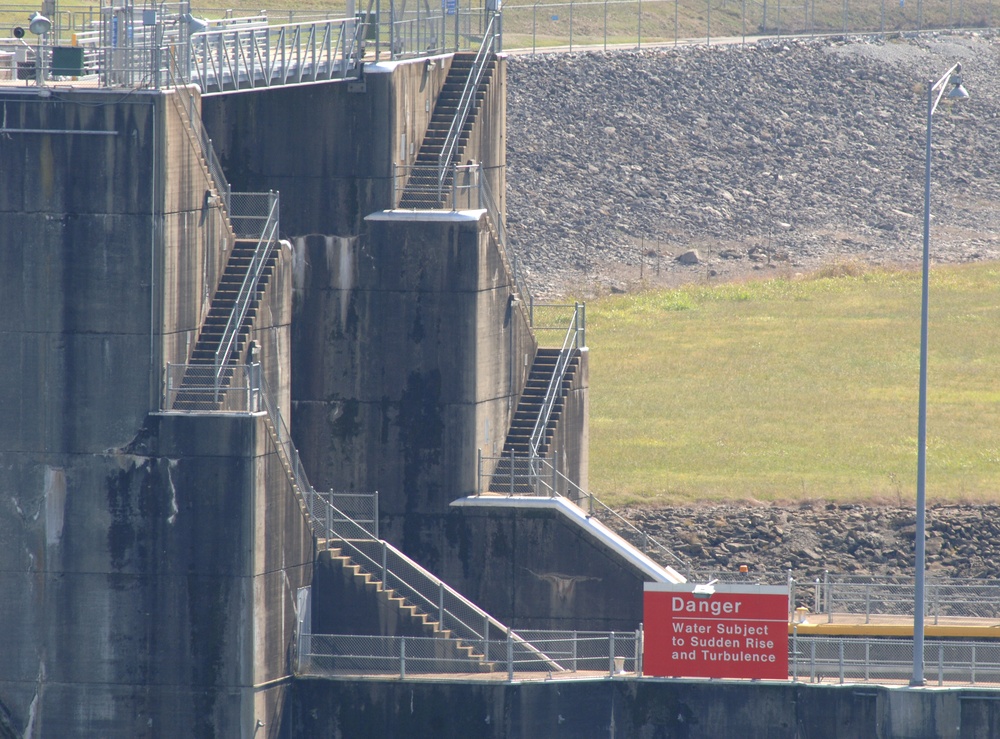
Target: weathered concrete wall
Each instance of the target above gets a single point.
(144, 588)
(415, 329)
(640, 709)
(533, 570)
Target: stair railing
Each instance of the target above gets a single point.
(575, 339)
(483, 57)
(184, 102)
(541, 477)
(335, 529)
(248, 289)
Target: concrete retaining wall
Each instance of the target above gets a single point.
(638, 709)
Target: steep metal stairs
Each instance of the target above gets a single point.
(423, 189)
(195, 393)
(517, 447)
(456, 648)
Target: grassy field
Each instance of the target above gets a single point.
(780, 390)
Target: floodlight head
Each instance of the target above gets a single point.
(958, 92)
(39, 24)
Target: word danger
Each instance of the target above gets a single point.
(711, 607)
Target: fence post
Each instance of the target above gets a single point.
(510, 655)
(375, 515)
(795, 653)
(829, 599)
(940, 663)
(486, 637)
(791, 596)
(611, 654)
(840, 658)
(972, 675)
(812, 660)
(441, 604)
(638, 650)
(479, 471)
(639, 41)
(605, 25)
(402, 657)
(555, 480)
(571, 26)
(385, 571)
(868, 603)
(868, 658)
(574, 651)
(512, 473)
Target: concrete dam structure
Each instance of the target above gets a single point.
(210, 301)
(278, 426)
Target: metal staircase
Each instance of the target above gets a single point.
(429, 186)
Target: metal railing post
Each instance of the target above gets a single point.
(638, 650)
(829, 598)
(940, 664)
(812, 660)
(402, 657)
(574, 651)
(840, 659)
(512, 473)
(611, 654)
(510, 656)
(795, 653)
(555, 480)
(385, 570)
(479, 471)
(441, 605)
(375, 516)
(868, 603)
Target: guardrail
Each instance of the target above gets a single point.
(465, 102)
(197, 387)
(249, 56)
(812, 659)
(540, 478)
(576, 338)
(545, 654)
(817, 658)
(255, 270)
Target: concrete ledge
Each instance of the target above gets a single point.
(596, 529)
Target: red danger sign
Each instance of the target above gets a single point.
(732, 630)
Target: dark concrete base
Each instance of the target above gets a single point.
(644, 708)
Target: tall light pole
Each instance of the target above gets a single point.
(935, 91)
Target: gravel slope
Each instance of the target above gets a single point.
(780, 156)
(767, 159)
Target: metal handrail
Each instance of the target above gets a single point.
(248, 289)
(466, 100)
(197, 128)
(378, 557)
(543, 479)
(249, 57)
(570, 343)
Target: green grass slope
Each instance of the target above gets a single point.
(785, 389)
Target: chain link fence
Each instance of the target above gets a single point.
(609, 23)
(539, 655)
(880, 660)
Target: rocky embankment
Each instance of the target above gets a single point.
(808, 539)
(783, 156)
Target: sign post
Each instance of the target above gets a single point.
(732, 630)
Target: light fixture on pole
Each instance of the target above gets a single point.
(40, 26)
(935, 91)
